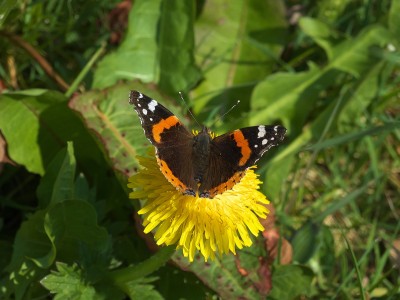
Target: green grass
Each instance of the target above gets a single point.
(326, 70)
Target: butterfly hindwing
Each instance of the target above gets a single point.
(232, 153)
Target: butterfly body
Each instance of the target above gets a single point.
(201, 164)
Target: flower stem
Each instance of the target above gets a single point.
(123, 277)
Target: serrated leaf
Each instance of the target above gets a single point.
(142, 289)
(221, 275)
(72, 227)
(290, 282)
(115, 123)
(68, 283)
(238, 43)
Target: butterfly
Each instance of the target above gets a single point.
(201, 164)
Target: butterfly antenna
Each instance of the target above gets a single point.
(188, 109)
(227, 112)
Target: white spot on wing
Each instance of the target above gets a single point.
(152, 105)
(140, 96)
(264, 141)
(255, 146)
(276, 128)
(139, 105)
(261, 131)
(144, 111)
(272, 138)
(151, 119)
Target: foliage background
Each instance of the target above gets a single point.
(326, 70)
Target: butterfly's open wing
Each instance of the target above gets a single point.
(232, 153)
(172, 141)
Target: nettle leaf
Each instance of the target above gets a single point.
(72, 228)
(238, 44)
(142, 289)
(290, 281)
(68, 283)
(58, 183)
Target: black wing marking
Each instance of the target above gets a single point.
(171, 139)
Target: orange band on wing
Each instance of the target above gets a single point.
(162, 125)
(226, 185)
(243, 144)
(170, 176)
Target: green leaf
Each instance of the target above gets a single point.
(141, 289)
(32, 252)
(58, 183)
(239, 43)
(72, 228)
(137, 57)
(223, 276)
(20, 124)
(68, 283)
(176, 45)
(113, 120)
(394, 21)
(320, 32)
(305, 242)
(290, 282)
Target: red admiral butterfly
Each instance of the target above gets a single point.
(201, 163)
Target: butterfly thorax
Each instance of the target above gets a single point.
(200, 153)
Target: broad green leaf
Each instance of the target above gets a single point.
(320, 32)
(72, 228)
(68, 283)
(57, 184)
(394, 21)
(31, 242)
(288, 97)
(176, 46)
(305, 242)
(32, 252)
(20, 124)
(38, 123)
(137, 57)
(290, 282)
(238, 44)
(355, 56)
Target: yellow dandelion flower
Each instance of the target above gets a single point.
(218, 225)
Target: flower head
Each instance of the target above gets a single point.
(192, 223)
